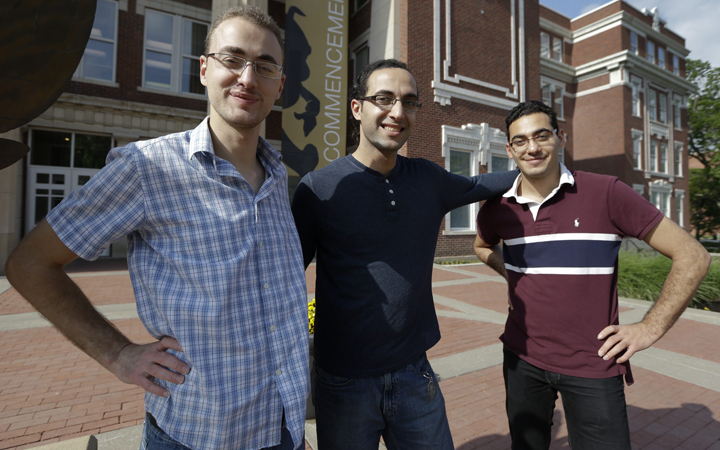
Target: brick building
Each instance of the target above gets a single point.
(616, 77)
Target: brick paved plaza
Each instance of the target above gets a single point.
(50, 391)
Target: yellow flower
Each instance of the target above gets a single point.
(311, 315)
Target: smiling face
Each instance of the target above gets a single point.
(241, 101)
(536, 162)
(386, 129)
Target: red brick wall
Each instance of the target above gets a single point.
(601, 80)
(598, 46)
(554, 17)
(606, 11)
(426, 140)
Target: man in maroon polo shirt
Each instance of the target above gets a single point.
(561, 234)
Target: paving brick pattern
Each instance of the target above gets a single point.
(50, 391)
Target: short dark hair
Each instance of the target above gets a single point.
(527, 108)
(250, 14)
(360, 87)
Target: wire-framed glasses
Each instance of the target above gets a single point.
(387, 102)
(237, 65)
(540, 139)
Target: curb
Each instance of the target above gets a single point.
(81, 443)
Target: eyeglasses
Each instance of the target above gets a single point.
(387, 102)
(237, 65)
(541, 140)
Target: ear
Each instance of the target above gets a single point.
(282, 84)
(356, 108)
(562, 137)
(203, 69)
(508, 150)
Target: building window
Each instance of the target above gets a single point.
(652, 104)
(637, 149)
(679, 200)
(553, 95)
(557, 49)
(653, 156)
(660, 196)
(677, 102)
(173, 46)
(633, 42)
(60, 162)
(663, 157)
(676, 65)
(461, 164)
(544, 44)
(678, 159)
(650, 52)
(661, 57)
(639, 188)
(362, 59)
(636, 87)
(662, 104)
(98, 61)
(500, 163)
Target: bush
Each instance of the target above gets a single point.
(642, 277)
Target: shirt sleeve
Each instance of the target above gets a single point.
(630, 212)
(305, 211)
(485, 229)
(460, 190)
(105, 209)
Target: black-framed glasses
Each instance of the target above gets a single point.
(387, 102)
(541, 139)
(237, 65)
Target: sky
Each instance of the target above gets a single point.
(695, 20)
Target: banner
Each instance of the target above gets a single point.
(315, 92)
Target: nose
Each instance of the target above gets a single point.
(533, 145)
(397, 109)
(246, 75)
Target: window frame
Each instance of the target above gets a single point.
(557, 55)
(650, 51)
(636, 85)
(472, 207)
(545, 43)
(177, 55)
(634, 48)
(677, 113)
(653, 165)
(680, 206)
(676, 65)
(662, 107)
(661, 57)
(678, 148)
(663, 157)
(637, 138)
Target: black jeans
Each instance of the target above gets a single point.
(595, 409)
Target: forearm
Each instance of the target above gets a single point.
(686, 274)
(492, 256)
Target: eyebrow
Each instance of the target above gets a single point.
(535, 133)
(238, 51)
(392, 94)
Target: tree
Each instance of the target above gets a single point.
(704, 146)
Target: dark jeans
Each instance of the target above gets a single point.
(594, 408)
(154, 438)
(405, 407)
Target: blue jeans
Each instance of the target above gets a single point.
(405, 407)
(154, 438)
(595, 409)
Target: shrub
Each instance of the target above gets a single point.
(642, 277)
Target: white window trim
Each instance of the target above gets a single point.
(636, 49)
(545, 36)
(637, 136)
(677, 105)
(661, 187)
(483, 141)
(680, 205)
(636, 84)
(650, 55)
(663, 167)
(661, 61)
(555, 85)
(676, 65)
(555, 55)
(639, 188)
(681, 146)
(662, 107)
(652, 105)
(78, 76)
(176, 58)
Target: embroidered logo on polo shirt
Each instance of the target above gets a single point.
(577, 222)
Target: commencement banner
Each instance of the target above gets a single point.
(315, 92)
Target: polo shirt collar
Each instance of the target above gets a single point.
(566, 177)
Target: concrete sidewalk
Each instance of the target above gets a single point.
(51, 393)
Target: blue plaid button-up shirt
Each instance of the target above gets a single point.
(214, 266)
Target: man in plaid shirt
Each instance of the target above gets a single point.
(214, 259)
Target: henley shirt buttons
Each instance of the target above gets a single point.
(267, 286)
(387, 181)
(391, 191)
(392, 202)
(278, 372)
(260, 244)
(272, 327)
